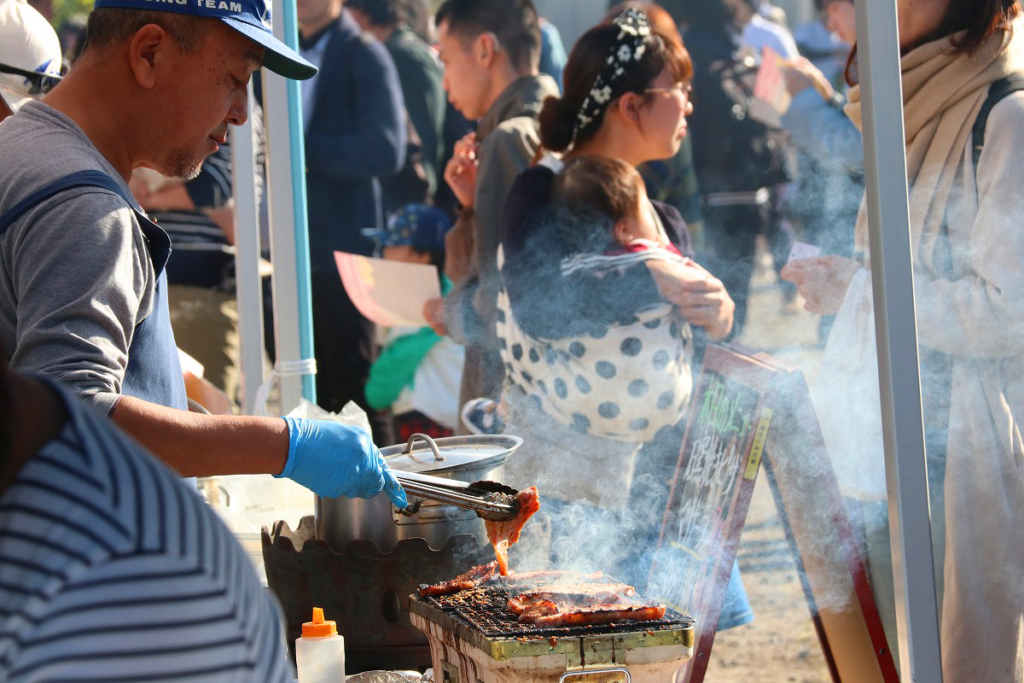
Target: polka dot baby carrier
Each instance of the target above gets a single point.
(623, 383)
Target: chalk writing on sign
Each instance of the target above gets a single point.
(714, 459)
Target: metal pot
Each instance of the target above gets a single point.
(463, 458)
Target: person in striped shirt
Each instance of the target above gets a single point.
(111, 569)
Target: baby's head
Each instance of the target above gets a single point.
(608, 189)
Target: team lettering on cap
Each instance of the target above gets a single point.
(207, 4)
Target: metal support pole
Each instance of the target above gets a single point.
(899, 378)
(289, 237)
(247, 258)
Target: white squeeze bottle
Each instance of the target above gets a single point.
(320, 652)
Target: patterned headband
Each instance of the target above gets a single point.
(629, 46)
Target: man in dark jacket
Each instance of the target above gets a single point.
(355, 134)
(419, 73)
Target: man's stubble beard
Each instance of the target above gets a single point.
(185, 164)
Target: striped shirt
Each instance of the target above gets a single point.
(112, 570)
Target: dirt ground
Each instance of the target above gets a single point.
(780, 645)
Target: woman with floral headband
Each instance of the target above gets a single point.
(626, 98)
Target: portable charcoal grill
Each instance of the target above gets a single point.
(474, 639)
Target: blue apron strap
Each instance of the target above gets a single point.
(159, 243)
(79, 179)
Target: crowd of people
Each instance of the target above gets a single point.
(594, 220)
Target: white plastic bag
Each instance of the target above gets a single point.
(846, 397)
(350, 414)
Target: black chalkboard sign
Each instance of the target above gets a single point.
(710, 495)
(748, 409)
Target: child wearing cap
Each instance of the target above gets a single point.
(417, 373)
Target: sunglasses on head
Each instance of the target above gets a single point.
(39, 83)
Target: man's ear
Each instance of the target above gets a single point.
(147, 53)
(485, 48)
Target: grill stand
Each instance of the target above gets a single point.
(463, 654)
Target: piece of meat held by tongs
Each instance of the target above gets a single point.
(502, 534)
(503, 509)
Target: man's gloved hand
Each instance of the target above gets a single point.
(333, 459)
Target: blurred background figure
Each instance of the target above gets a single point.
(419, 74)
(742, 163)
(420, 19)
(198, 217)
(355, 135)
(822, 44)
(418, 373)
(30, 55)
(71, 34)
(830, 157)
(764, 26)
(552, 51)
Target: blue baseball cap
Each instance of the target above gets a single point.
(251, 18)
(420, 226)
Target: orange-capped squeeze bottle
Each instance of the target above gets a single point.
(320, 652)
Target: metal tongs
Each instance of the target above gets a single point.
(489, 499)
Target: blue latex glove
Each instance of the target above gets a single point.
(333, 460)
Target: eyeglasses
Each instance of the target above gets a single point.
(683, 89)
(39, 83)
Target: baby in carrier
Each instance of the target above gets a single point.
(626, 380)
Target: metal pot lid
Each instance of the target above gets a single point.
(452, 453)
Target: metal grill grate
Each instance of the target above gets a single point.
(484, 609)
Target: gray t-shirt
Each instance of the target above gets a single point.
(75, 274)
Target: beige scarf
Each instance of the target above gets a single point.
(942, 94)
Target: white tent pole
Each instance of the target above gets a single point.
(282, 235)
(247, 258)
(892, 279)
(289, 238)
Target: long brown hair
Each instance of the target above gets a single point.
(979, 20)
(588, 57)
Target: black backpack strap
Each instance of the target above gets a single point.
(998, 91)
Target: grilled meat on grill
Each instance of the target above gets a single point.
(503, 534)
(471, 579)
(560, 597)
(563, 603)
(552, 599)
(529, 607)
(604, 614)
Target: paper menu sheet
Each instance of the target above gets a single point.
(389, 293)
(802, 250)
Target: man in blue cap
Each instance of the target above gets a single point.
(83, 296)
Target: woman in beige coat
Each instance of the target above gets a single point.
(967, 229)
